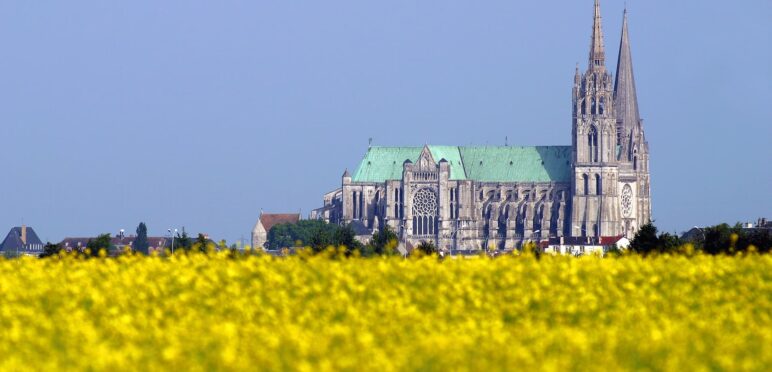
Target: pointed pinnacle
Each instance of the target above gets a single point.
(597, 51)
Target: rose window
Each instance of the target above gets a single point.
(424, 212)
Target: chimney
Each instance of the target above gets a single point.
(24, 234)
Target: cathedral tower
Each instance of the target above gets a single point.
(633, 157)
(595, 208)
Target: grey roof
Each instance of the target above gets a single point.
(13, 241)
(153, 241)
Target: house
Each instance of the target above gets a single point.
(22, 240)
(268, 220)
(117, 243)
(578, 246)
(697, 234)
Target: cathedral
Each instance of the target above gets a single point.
(479, 197)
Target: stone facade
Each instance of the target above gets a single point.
(469, 198)
(264, 224)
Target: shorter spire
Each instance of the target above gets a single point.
(597, 51)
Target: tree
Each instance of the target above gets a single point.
(384, 242)
(427, 248)
(723, 239)
(203, 244)
(183, 241)
(645, 240)
(319, 238)
(101, 242)
(667, 243)
(141, 244)
(50, 249)
(531, 248)
(345, 236)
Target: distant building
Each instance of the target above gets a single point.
(118, 243)
(22, 240)
(268, 220)
(762, 223)
(578, 246)
(694, 234)
(698, 233)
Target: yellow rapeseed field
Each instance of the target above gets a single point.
(200, 312)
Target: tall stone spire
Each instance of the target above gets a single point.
(625, 99)
(597, 52)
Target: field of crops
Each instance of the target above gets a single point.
(202, 312)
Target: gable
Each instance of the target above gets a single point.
(385, 163)
(13, 241)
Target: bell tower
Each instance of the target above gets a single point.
(595, 209)
(633, 155)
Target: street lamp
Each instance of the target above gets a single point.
(172, 234)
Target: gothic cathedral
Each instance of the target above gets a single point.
(475, 197)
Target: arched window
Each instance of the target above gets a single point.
(424, 212)
(377, 205)
(355, 205)
(586, 184)
(361, 205)
(593, 107)
(635, 160)
(598, 188)
(503, 219)
(396, 203)
(554, 219)
(538, 218)
(584, 106)
(592, 143)
(602, 105)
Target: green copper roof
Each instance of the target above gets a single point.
(517, 164)
(482, 163)
(385, 163)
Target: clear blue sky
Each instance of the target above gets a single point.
(200, 113)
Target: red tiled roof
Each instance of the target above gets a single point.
(609, 240)
(268, 220)
(585, 240)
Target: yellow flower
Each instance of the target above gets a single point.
(336, 312)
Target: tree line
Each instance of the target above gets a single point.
(718, 239)
(319, 235)
(103, 245)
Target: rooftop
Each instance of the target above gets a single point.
(478, 163)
